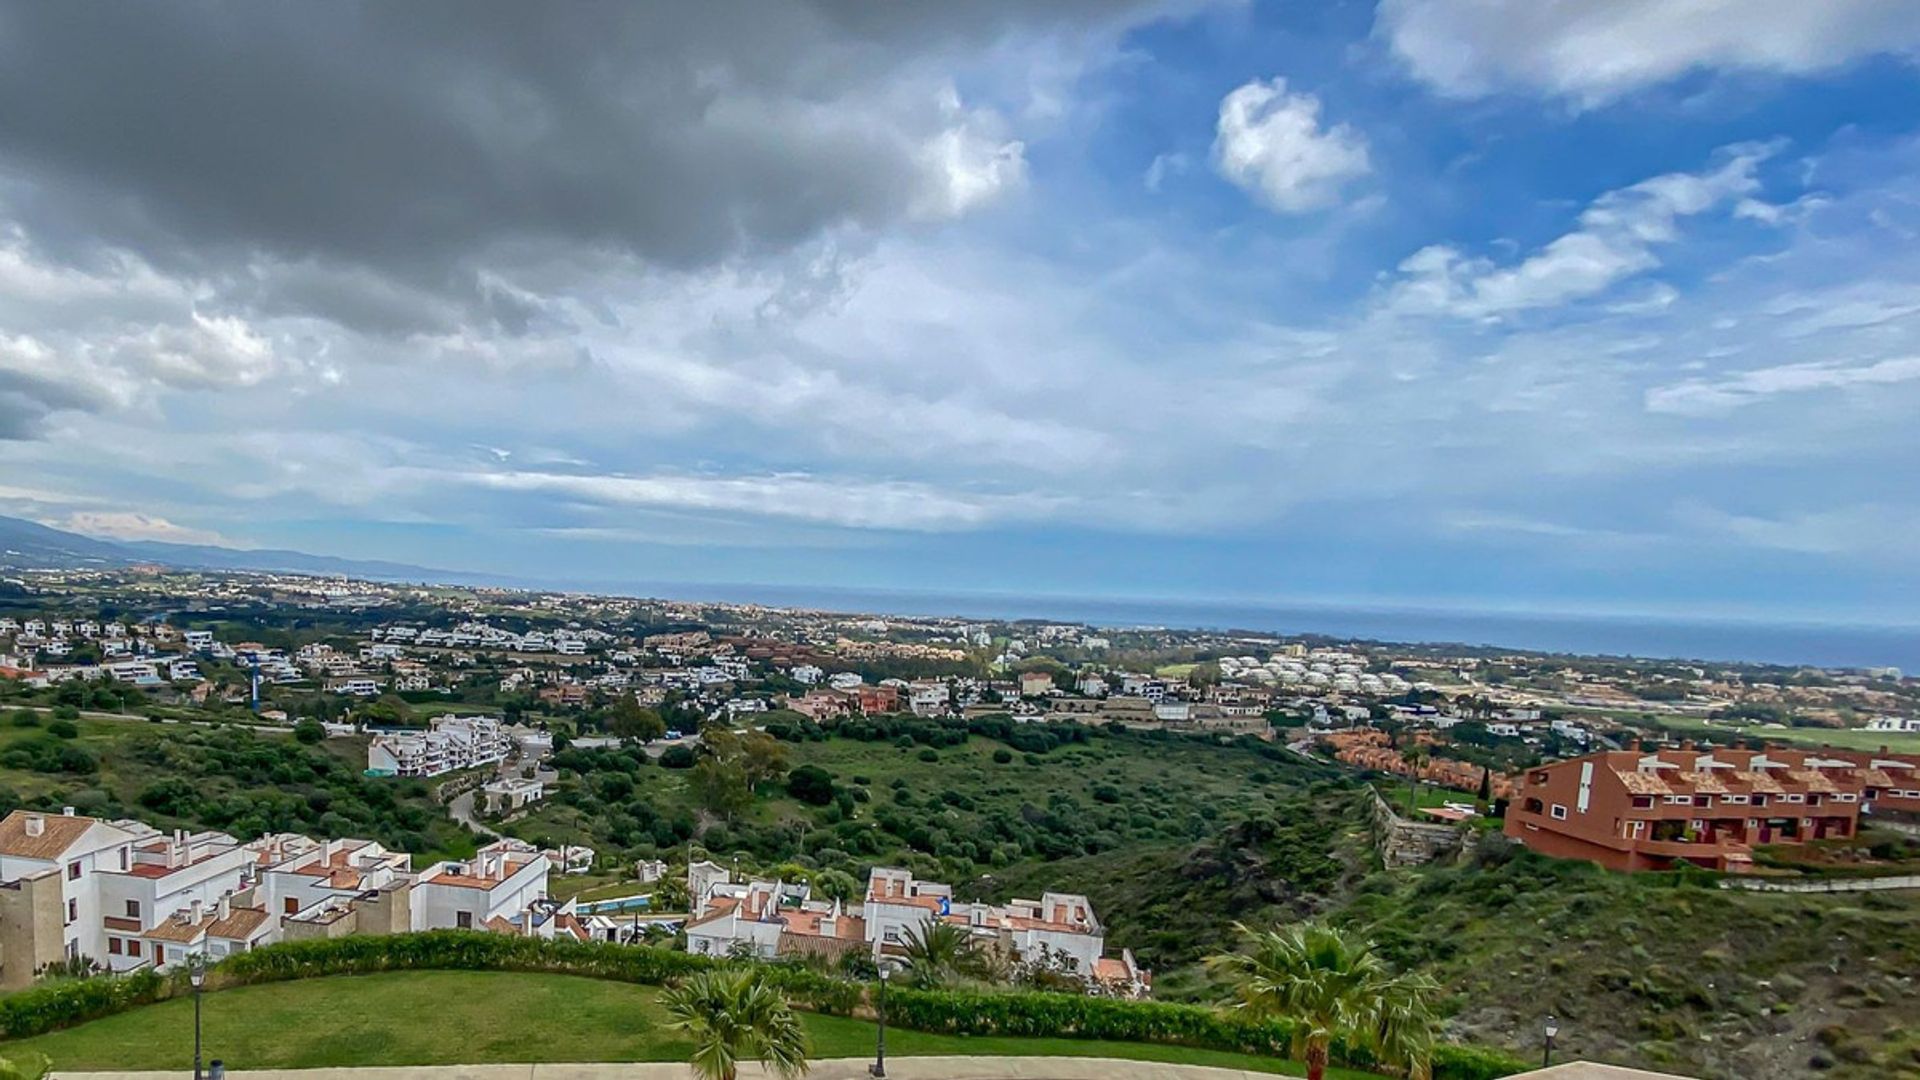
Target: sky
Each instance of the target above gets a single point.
(1605, 306)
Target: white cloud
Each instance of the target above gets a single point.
(1271, 143)
(119, 525)
(801, 497)
(204, 352)
(968, 164)
(1723, 394)
(1163, 166)
(1616, 240)
(1593, 51)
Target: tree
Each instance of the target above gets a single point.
(627, 720)
(1413, 757)
(836, 885)
(734, 1015)
(940, 952)
(309, 731)
(670, 894)
(811, 784)
(1334, 988)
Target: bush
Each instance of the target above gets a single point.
(64, 729)
(1003, 756)
(677, 757)
(929, 755)
(41, 1009)
(309, 731)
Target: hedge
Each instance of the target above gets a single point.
(40, 1009)
(1031, 1014)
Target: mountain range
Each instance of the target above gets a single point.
(30, 545)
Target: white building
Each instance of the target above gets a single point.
(450, 743)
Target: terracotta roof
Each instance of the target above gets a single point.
(1639, 783)
(176, 931)
(58, 833)
(240, 924)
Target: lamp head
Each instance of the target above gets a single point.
(196, 972)
(1553, 1027)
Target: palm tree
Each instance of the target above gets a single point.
(938, 952)
(1333, 988)
(734, 1015)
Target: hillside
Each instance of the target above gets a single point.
(228, 778)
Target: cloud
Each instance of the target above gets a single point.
(853, 504)
(1720, 395)
(123, 525)
(37, 381)
(1594, 51)
(1270, 143)
(337, 160)
(1616, 239)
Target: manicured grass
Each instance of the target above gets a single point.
(464, 1017)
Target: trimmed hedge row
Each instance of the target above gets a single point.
(40, 1009)
(57, 1005)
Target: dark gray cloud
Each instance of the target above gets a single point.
(427, 141)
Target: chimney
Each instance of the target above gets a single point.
(66, 811)
(36, 825)
(224, 910)
(195, 910)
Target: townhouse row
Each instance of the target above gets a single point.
(127, 896)
(1643, 810)
(770, 919)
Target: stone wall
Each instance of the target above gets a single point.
(1412, 843)
(1825, 885)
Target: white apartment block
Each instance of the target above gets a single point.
(129, 897)
(449, 743)
(770, 919)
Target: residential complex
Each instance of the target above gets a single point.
(127, 896)
(1641, 810)
(449, 743)
(770, 918)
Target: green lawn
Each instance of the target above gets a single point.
(462, 1017)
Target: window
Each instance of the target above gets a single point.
(463, 920)
(133, 946)
(1793, 798)
(113, 946)
(1539, 777)
(1643, 802)
(1559, 812)
(1534, 806)
(1759, 800)
(73, 912)
(1703, 800)
(73, 871)
(123, 859)
(133, 909)
(1734, 800)
(292, 905)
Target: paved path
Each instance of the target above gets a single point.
(901, 1068)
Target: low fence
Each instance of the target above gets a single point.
(1825, 885)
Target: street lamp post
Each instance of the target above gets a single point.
(878, 1069)
(197, 975)
(1552, 1029)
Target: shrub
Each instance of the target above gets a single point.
(1003, 756)
(64, 729)
(677, 757)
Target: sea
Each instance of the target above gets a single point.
(1828, 645)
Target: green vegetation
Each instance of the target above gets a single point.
(1662, 970)
(231, 778)
(733, 1016)
(484, 1017)
(997, 799)
(1335, 990)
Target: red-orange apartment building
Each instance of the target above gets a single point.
(1645, 810)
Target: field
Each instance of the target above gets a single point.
(483, 1018)
(1722, 732)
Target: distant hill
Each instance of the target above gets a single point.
(30, 545)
